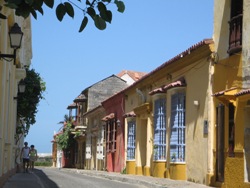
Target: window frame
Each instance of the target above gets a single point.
(131, 139)
(160, 129)
(178, 127)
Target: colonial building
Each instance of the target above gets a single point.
(11, 72)
(231, 154)
(87, 128)
(167, 118)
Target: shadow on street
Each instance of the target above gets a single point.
(47, 182)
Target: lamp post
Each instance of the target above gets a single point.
(16, 36)
(21, 87)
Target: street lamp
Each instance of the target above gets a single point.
(16, 36)
(21, 87)
(118, 122)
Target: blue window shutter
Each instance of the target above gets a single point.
(177, 137)
(131, 140)
(160, 129)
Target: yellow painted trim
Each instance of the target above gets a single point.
(138, 170)
(159, 169)
(130, 167)
(178, 171)
(146, 171)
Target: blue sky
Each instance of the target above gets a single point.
(142, 38)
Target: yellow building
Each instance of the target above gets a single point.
(231, 153)
(11, 72)
(167, 117)
(95, 150)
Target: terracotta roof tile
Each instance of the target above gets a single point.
(157, 90)
(80, 98)
(243, 92)
(130, 114)
(133, 74)
(108, 117)
(179, 83)
(219, 93)
(72, 106)
(204, 42)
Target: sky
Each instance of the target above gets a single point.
(145, 36)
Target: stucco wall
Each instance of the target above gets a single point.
(246, 44)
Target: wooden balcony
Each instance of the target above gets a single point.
(235, 35)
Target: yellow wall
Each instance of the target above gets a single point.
(130, 167)
(10, 75)
(196, 71)
(178, 172)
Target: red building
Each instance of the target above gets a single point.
(114, 133)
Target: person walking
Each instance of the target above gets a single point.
(32, 156)
(25, 157)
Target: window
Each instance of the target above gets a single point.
(111, 135)
(131, 140)
(99, 148)
(88, 147)
(235, 25)
(177, 137)
(160, 129)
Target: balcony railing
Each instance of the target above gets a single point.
(235, 35)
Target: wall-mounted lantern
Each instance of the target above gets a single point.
(16, 36)
(118, 122)
(21, 87)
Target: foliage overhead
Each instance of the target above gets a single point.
(95, 9)
(28, 101)
(64, 139)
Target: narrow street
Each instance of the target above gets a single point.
(46, 177)
(56, 178)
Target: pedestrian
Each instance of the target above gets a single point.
(25, 157)
(32, 156)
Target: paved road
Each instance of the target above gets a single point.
(47, 177)
(55, 178)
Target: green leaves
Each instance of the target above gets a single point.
(100, 23)
(62, 9)
(104, 13)
(49, 3)
(28, 101)
(95, 9)
(24, 8)
(64, 139)
(120, 5)
(84, 23)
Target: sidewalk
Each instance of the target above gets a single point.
(23, 180)
(31, 180)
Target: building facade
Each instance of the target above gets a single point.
(167, 119)
(10, 75)
(89, 129)
(231, 93)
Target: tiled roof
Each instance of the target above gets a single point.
(108, 117)
(243, 92)
(157, 90)
(133, 74)
(200, 44)
(179, 83)
(72, 106)
(130, 114)
(219, 93)
(80, 98)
